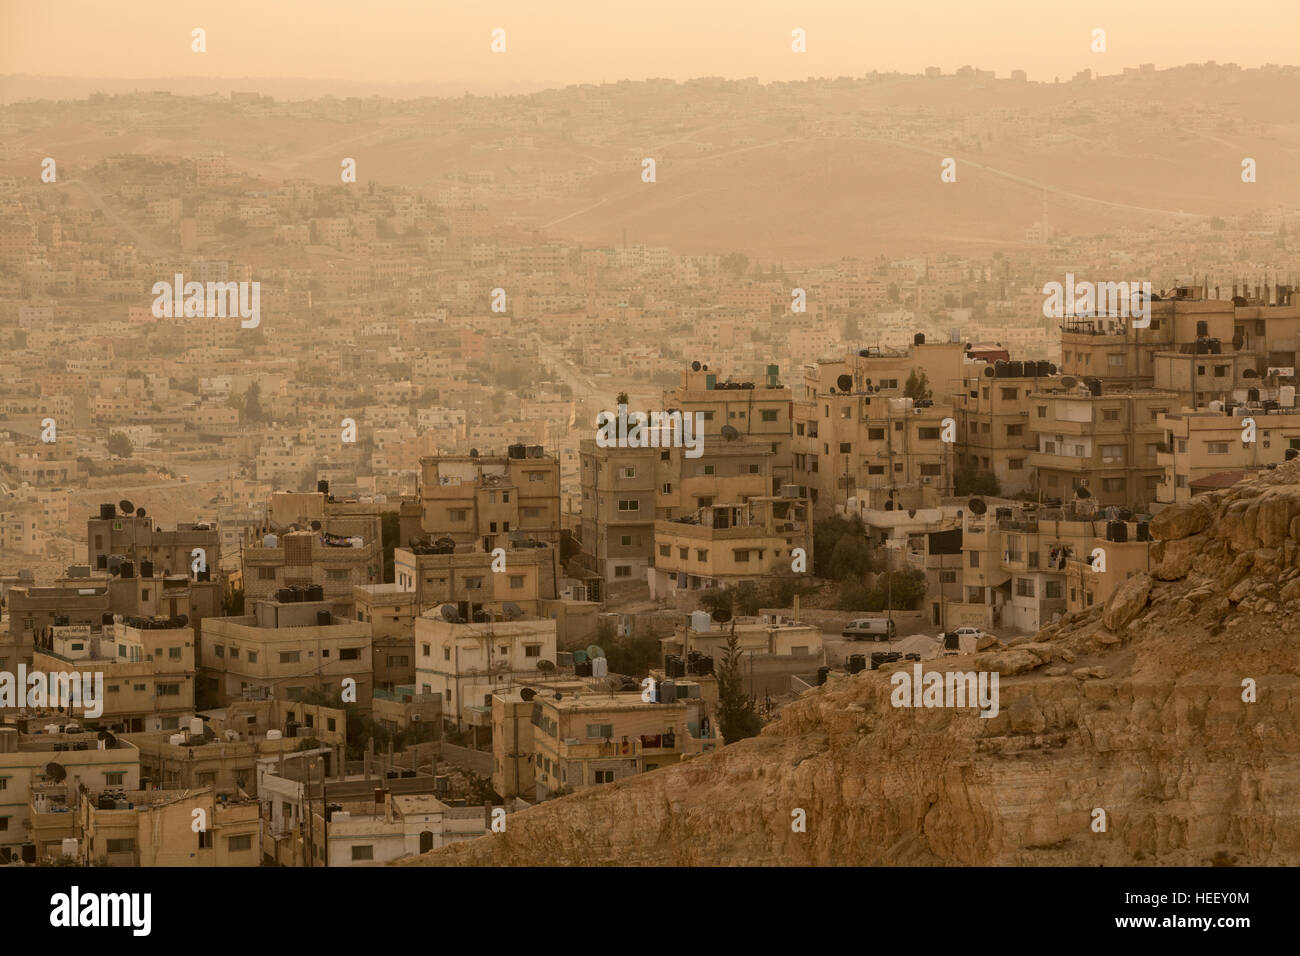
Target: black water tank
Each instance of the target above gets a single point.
(582, 668)
(204, 575)
(1001, 369)
(1202, 328)
(857, 662)
(146, 568)
(951, 642)
(284, 595)
(323, 486)
(1144, 530)
(1015, 370)
(127, 570)
(1116, 531)
(324, 618)
(107, 510)
(315, 593)
(101, 562)
(821, 675)
(918, 338)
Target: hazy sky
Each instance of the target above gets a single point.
(563, 41)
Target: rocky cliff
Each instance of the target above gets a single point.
(1136, 709)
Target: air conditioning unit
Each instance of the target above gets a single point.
(925, 479)
(415, 718)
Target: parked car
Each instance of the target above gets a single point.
(870, 629)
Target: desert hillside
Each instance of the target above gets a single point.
(1136, 708)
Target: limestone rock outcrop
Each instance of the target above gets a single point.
(1143, 709)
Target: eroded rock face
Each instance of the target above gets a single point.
(1149, 726)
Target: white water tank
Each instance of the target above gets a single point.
(273, 735)
(270, 541)
(700, 621)
(1286, 396)
(196, 726)
(176, 740)
(1216, 406)
(51, 728)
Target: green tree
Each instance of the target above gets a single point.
(973, 481)
(253, 404)
(917, 387)
(120, 445)
(622, 399)
(737, 718)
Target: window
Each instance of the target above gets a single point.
(1110, 414)
(1015, 464)
(290, 657)
(336, 574)
(114, 778)
(252, 657)
(604, 776)
(446, 653)
(1025, 587)
(701, 554)
(219, 650)
(846, 448)
(600, 730)
(622, 571)
(742, 555)
(974, 559)
(536, 476)
(237, 844)
(174, 653)
(473, 582)
(1112, 451)
(625, 540)
(349, 653)
(1052, 590)
(931, 470)
(769, 414)
(1009, 394)
(363, 852)
(876, 434)
(205, 839)
(1115, 359)
(1112, 484)
(294, 693)
(1042, 411)
(683, 553)
(458, 514)
(266, 574)
(629, 504)
(126, 845)
(665, 550)
(1015, 431)
(169, 690)
(1216, 448)
(532, 650)
(629, 472)
(668, 488)
(706, 470)
(927, 434)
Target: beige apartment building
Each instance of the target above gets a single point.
(994, 431)
(1102, 439)
(134, 538)
(1015, 567)
(1202, 444)
(625, 490)
(40, 777)
(430, 575)
(725, 544)
(283, 649)
(581, 741)
(492, 501)
(148, 672)
(155, 828)
(390, 611)
(466, 663)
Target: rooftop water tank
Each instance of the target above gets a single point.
(176, 740)
(196, 726)
(273, 735)
(700, 621)
(270, 541)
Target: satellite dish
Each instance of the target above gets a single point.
(528, 693)
(845, 383)
(1068, 381)
(126, 506)
(729, 433)
(546, 667)
(911, 512)
(721, 615)
(473, 453)
(139, 512)
(579, 657)
(55, 772)
(512, 610)
(450, 614)
(182, 620)
(315, 526)
(1082, 492)
(695, 366)
(103, 735)
(977, 506)
(1291, 453)
(594, 651)
(989, 371)
(110, 741)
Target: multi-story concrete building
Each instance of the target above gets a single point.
(282, 649)
(725, 544)
(148, 671)
(1104, 440)
(390, 611)
(42, 775)
(468, 662)
(155, 828)
(1197, 445)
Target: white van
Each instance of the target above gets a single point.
(870, 629)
